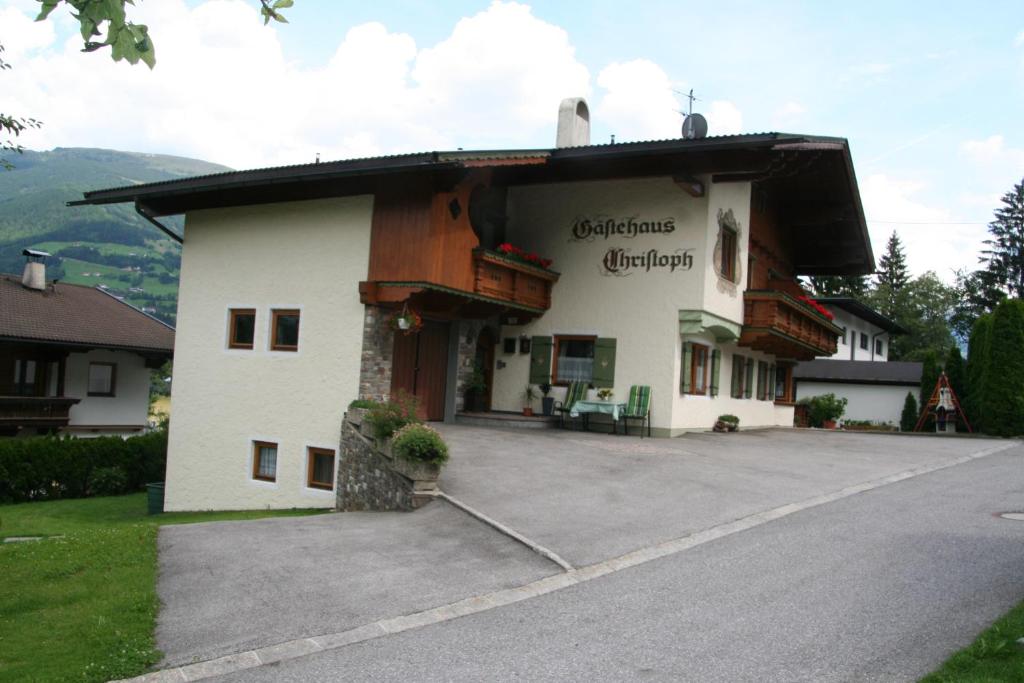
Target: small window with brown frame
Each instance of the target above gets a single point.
(284, 329)
(573, 359)
(102, 379)
(242, 328)
(264, 461)
(320, 468)
(699, 370)
(727, 265)
(783, 384)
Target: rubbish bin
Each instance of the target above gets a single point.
(156, 497)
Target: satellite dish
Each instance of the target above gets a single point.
(695, 127)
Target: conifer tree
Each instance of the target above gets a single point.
(930, 371)
(977, 371)
(1004, 253)
(908, 418)
(855, 286)
(892, 275)
(1003, 400)
(955, 373)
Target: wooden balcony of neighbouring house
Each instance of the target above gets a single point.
(35, 412)
(778, 323)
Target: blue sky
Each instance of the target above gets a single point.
(930, 95)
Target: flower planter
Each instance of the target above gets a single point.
(829, 424)
(548, 405)
(423, 475)
(527, 412)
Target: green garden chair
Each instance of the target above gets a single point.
(638, 407)
(576, 391)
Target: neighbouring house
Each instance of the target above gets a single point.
(668, 263)
(859, 370)
(74, 360)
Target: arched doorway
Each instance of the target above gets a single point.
(484, 358)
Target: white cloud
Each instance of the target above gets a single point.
(224, 91)
(638, 103)
(930, 241)
(19, 34)
(724, 118)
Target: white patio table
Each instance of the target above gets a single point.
(587, 408)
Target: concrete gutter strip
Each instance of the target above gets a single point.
(303, 646)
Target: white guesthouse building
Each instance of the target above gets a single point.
(669, 264)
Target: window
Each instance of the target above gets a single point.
(284, 329)
(762, 380)
(24, 377)
(574, 359)
(783, 384)
(242, 328)
(739, 369)
(264, 461)
(698, 369)
(102, 379)
(320, 469)
(727, 265)
(878, 347)
(863, 341)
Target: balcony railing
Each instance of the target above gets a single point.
(779, 324)
(498, 277)
(35, 411)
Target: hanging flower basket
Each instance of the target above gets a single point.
(406, 322)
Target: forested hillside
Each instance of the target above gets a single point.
(94, 245)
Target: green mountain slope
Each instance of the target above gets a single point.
(94, 245)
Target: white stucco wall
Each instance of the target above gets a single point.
(639, 308)
(849, 348)
(305, 255)
(877, 403)
(129, 406)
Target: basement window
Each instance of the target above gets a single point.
(284, 328)
(320, 469)
(264, 461)
(242, 328)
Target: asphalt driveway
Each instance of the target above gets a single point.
(589, 497)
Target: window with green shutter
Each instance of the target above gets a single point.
(604, 363)
(716, 365)
(684, 370)
(540, 360)
(748, 384)
(762, 380)
(738, 368)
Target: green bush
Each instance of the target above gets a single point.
(908, 418)
(732, 419)
(1003, 401)
(978, 370)
(46, 467)
(388, 418)
(363, 403)
(108, 481)
(420, 443)
(821, 409)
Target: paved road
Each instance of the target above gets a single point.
(879, 586)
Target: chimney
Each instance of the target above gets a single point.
(573, 123)
(34, 276)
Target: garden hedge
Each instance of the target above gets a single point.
(48, 467)
(978, 349)
(1003, 401)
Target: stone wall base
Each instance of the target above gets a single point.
(366, 480)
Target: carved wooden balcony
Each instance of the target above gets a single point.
(505, 279)
(35, 411)
(780, 324)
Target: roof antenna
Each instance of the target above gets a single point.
(318, 157)
(695, 126)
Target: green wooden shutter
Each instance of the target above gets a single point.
(737, 376)
(684, 375)
(771, 383)
(748, 386)
(716, 362)
(540, 360)
(604, 363)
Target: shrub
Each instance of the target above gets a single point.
(420, 443)
(388, 418)
(930, 371)
(978, 370)
(363, 403)
(39, 468)
(1003, 400)
(821, 409)
(908, 418)
(731, 419)
(107, 481)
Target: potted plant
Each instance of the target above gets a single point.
(547, 402)
(530, 395)
(407, 322)
(727, 423)
(476, 389)
(605, 394)
(418, 453)
(824, 410)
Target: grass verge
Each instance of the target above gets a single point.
(81, 604)
(993, 657)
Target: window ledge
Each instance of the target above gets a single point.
(788, 404)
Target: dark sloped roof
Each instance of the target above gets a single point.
(77, 315)
(859, 371)
(862, 311)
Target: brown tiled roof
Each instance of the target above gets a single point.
(73, 314)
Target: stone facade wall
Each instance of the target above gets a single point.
(366, 480)
(378, 344)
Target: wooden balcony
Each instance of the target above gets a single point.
(775, 322)
(35, 411)
(498, 277)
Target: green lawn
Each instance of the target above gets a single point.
(81, 605)
(994, 657)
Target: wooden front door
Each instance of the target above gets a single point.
(419, 366)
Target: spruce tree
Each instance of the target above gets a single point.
(930, 371)
(893, 275)
(955, 373)
(977, 371)
(908, 418)
(1003, 401)
(1004, 253)
(854, 286)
